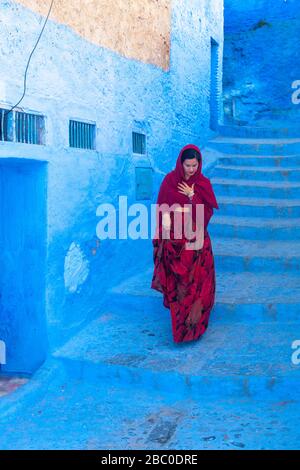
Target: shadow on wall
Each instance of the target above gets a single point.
(259, 74)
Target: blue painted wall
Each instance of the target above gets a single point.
(70, 78)
(261, 60)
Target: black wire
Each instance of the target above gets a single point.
(27, 66)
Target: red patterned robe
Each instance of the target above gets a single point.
(186, 278)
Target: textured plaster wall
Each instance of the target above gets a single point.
(70, 77)
(261, 60)
(138, 29)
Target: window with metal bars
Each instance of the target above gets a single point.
(82, 135)
(139, 143)
(29, 128)
(5, 125)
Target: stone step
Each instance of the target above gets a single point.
(257, 297)
(240, 296)
(255, 228)
(236, 145)
(92, 415)
(246, 187)
(135, 348)
(255, 207)
(257, 173)
(239, 255)
(259, 132)
(279, 161)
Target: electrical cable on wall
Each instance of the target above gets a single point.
(29, 59)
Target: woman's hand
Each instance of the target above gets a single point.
(186, 189)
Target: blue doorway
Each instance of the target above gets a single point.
(23, 233)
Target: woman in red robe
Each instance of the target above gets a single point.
(186, 277)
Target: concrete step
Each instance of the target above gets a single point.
(254, 188)
(130, 348)
(255, 228)
(258, 207)
(240, 297)
(257, 173)
(239, 255)
(259, 132)
(236, 145)
(257, 297)
(255, 161)
(91, 415)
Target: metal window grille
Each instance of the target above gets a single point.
(82, 135)
(29, 128)
(139, 143)
(4, 134)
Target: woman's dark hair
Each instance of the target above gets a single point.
(190, 154)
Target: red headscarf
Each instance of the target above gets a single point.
(203, 189)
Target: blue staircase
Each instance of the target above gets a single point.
(247, 349)
(238, 379)
(256, 232)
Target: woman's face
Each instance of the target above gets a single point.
(190, 167)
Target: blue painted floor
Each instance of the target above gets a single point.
(121, 382)
(83, 415)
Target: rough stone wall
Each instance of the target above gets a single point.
(138, 29)
(261, 60)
